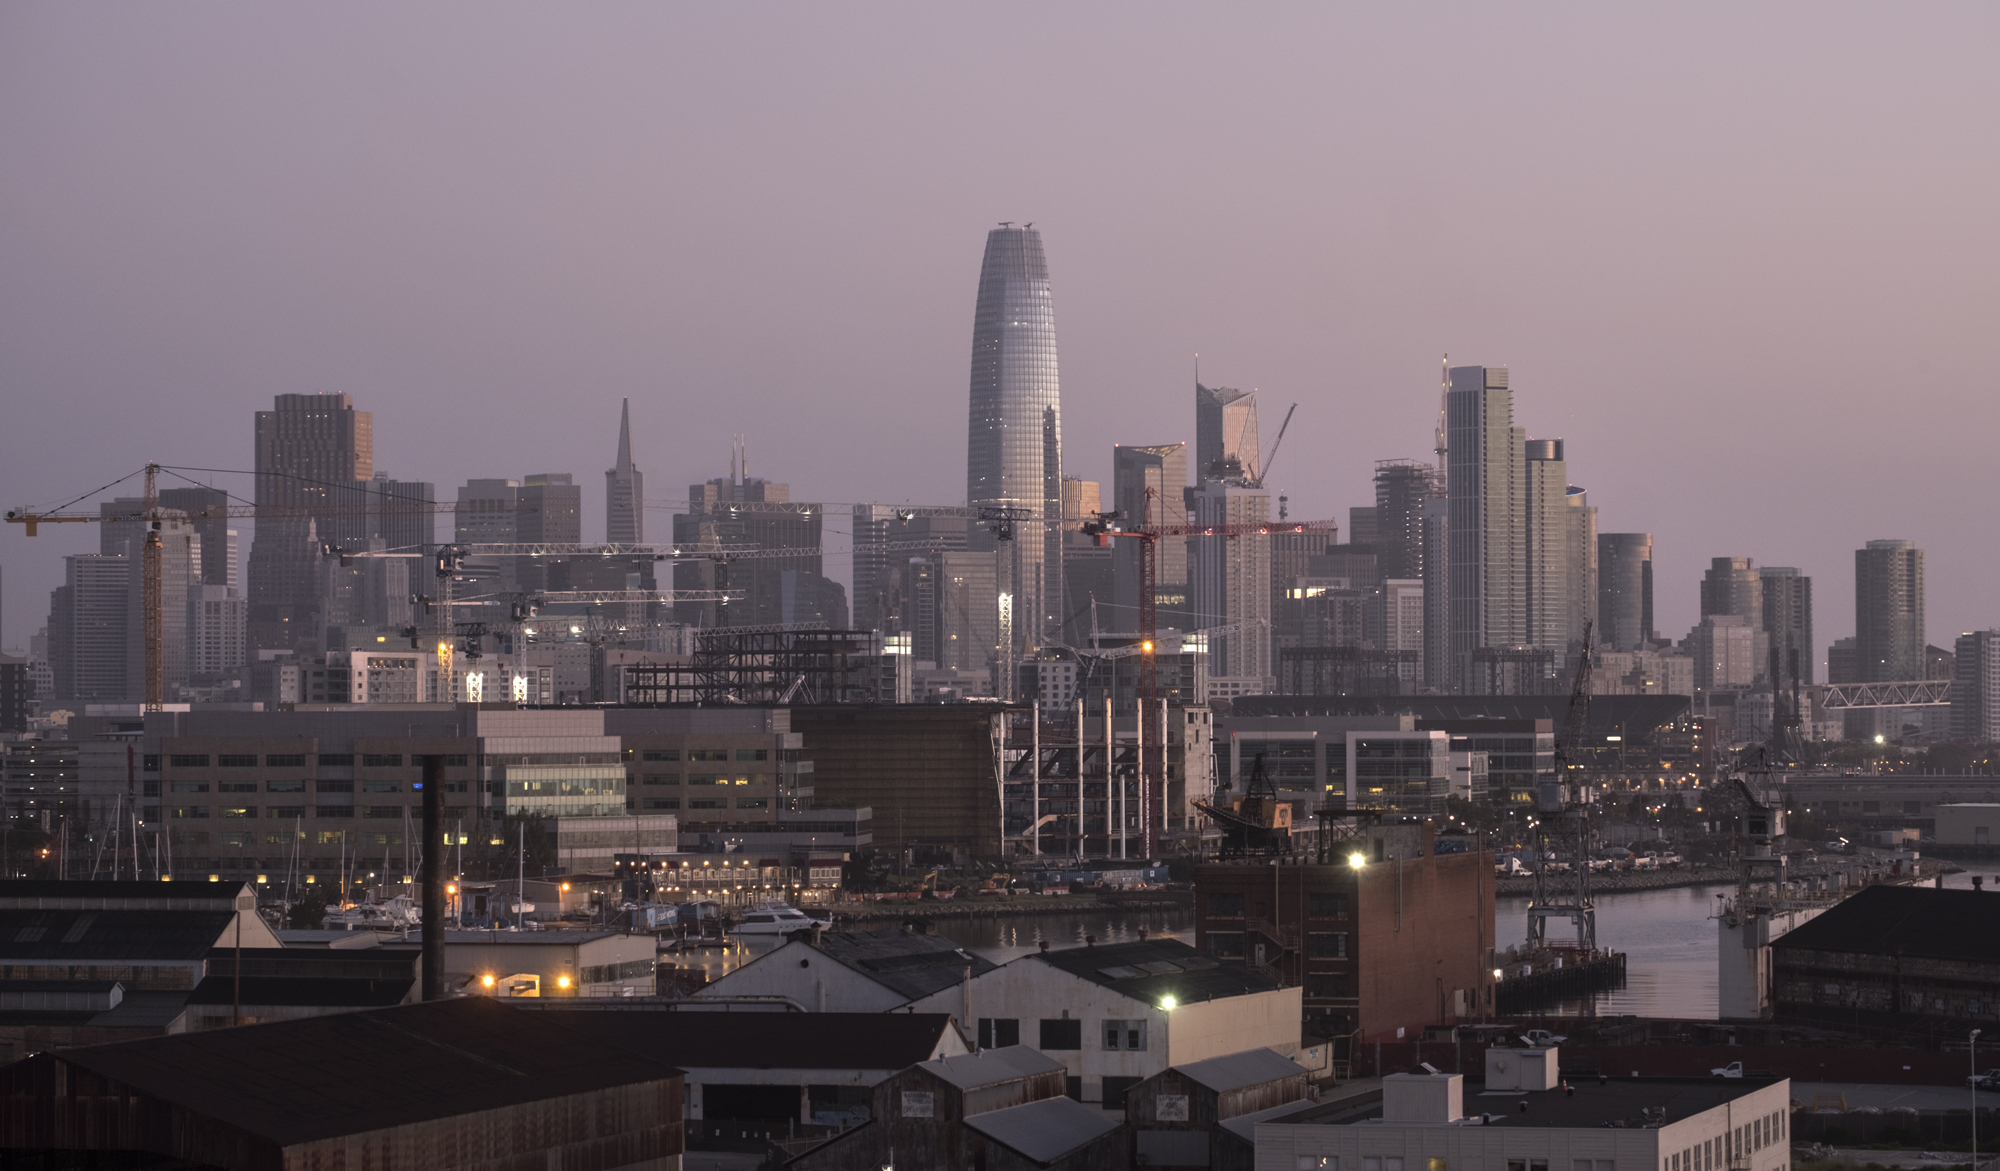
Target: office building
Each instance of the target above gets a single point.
(1583, 568)
(1484, 482)
(1363, 526)
(314, 453)
(17, 690)
(217, 619)
(624, 489)
(1149, 487)
(1788, 624)
(886, 540)
(1624, 590)
(1733, 587)
(1437, 671)
(1014, 431)
(1975, 687)
(1549, 593)
(747, 512)
(1231, 580)
(1889, 611)
(550, 508)
(89, 617)
(1728, 652)
(1225, 434)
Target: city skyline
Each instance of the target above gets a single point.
(542, 308)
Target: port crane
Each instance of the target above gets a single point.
(155, 518)
(1560, 822)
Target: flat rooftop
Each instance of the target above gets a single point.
(1618, 1103)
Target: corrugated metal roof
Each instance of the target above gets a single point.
(911, 965)
(74, 936)
(302, 992)
(1905, 920)
(1244, 1126)
(323, 1077)
(19, 893)
(763, 1040)
(1046, 1130)
(1153, 969)
(992, 1066)
(1233, 1071)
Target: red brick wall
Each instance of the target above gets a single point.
(1425, 929)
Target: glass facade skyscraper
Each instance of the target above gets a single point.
(1014, 437)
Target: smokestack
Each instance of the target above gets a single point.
(433, 877)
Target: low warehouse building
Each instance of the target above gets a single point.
(1895, 961)
(1174, 1115)
(456, 1085)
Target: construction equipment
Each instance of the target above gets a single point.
(1257, 823)
(1562, 889)
(1264, 465)
(154, 518)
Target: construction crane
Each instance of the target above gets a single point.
(1264, 465)
(1106, 529)
(154, 518)
(1560, 822)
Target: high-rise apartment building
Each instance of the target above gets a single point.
(1788, 623)
(1402, 488)
(180, 579)
(1583, 569)
(1546, 593)
(1225, 434)
(624, 489)
(1014, 433)
(1889, 611)
(1437, 661)
(1733, 587)
(1149, 486)
(1089, 573)
(314, 454)
(1624, 590)
(1975, 687)
(215, 624)
(1484, 483)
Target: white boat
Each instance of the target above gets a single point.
(775, 920)
(392, 915)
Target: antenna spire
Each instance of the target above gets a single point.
(1444, 390)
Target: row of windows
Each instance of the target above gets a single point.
(708, 779)
(379, 812)
(297, 785)
(1716, 1152)
(715, 754)
(707, 803)
(1229, 905)
(296, 760)
(1320, 945)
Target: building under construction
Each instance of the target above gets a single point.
(767, 665)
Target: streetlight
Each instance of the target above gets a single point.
(1972, 1054)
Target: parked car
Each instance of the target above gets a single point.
(1735, 1069)
(1542, 1039)
(1990, 1080)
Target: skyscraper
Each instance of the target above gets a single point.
(1231, 580)
(1148, 487)
(1402, 486)
(1484, 483)
(624, 489)
(315, 453)
(1624, 590)
(1014, 434)
(1546, 537)
(88, 620)
(1889, 611)
(1225, 434)
(1975, 687)
(1788, 620)
(1582, 564)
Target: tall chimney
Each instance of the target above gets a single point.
(433, 877)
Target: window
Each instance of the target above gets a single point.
(662, 779)
(236, 760)
(285, 760)
(1327, 906)
(753, 754)
(238, 811)
(1226, 906)
(236, 786)
(187, 760)
(917, 1104)
(326, 786)
(331, 837)
(382, 811)
(1435, 1163)
(1871, 807)
(1327, 945)
(706, 779)
(1061, 1034)
(751, 803)
(294, 786)
(1115, 1089)
(1317, 1163)
(188, 811)
(1128, 1035)
(285, 811)
(707, 803)
(381, 786)
(187, 786)
(150, 762)
(152, 789)
(708, 754)
(1225, 944)
(379, 839)
(455, 760)
(336, 760)
(236, 839)
(660, 754)
(663, 802)
(382, 760)
(999, 1032)
(1327, 986)
(278, 839)
(191, 837)
(1073, 1088)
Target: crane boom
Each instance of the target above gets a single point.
(1264, 465)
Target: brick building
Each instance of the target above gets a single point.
(1382, 942)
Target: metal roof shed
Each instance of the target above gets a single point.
(458, 1084)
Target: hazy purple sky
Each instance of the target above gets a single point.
(1743, 258)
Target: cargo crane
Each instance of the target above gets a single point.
(154, 518)
(1105, 527)
(1562, 890)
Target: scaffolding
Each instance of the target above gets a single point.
(736, 665)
